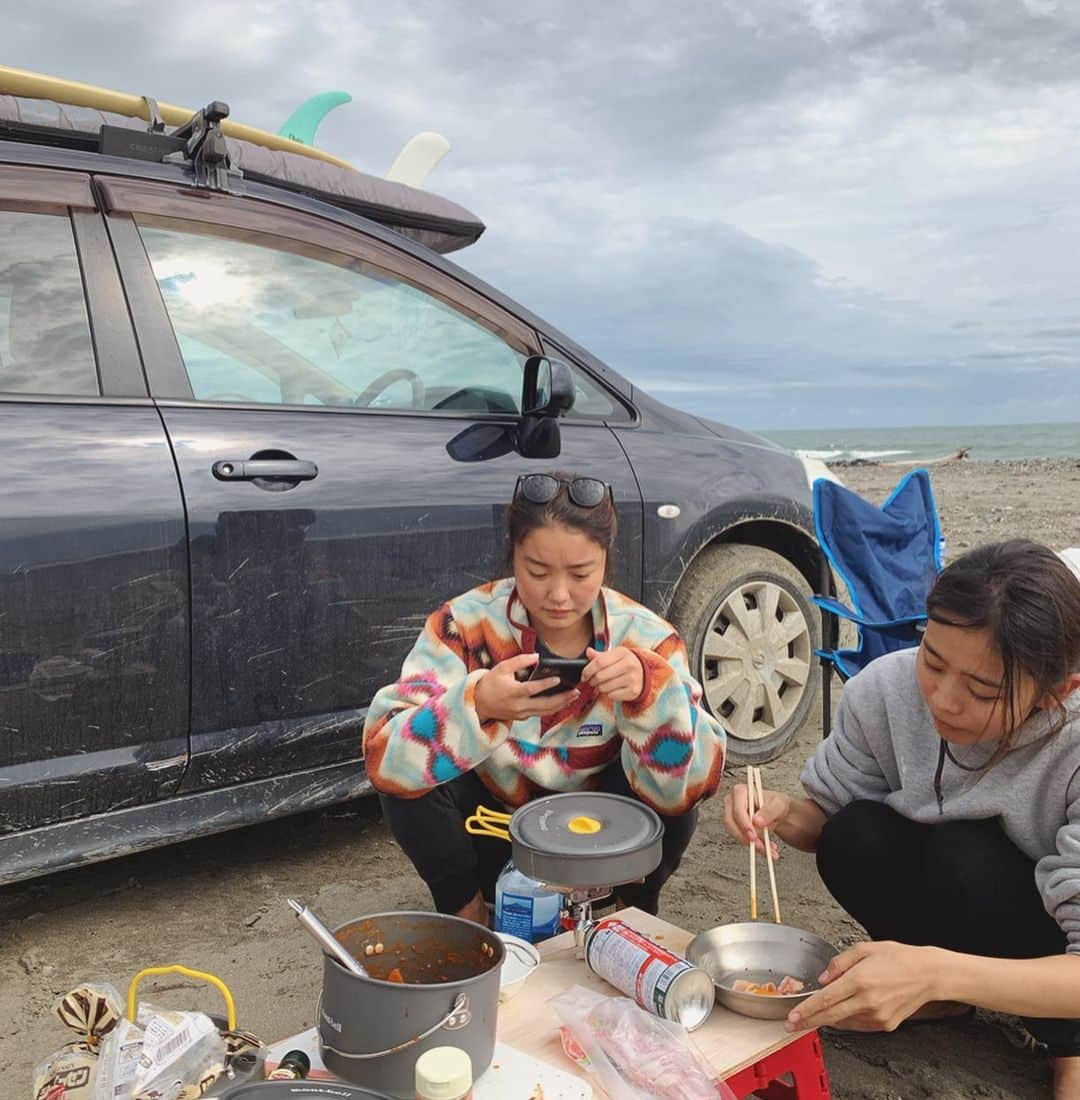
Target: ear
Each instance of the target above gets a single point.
(1057, 695)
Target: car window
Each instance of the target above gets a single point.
(45, 344)
(263, 322)
(591, 400)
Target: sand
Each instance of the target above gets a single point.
(218, 904)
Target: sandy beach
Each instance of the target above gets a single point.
(218, 904)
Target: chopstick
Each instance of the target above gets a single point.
(750, 795)
(759, 796)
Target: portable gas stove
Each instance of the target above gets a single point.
(583, 845)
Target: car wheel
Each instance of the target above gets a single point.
(750, 628)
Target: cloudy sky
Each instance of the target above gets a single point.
(780, 213)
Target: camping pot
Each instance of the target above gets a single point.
(578, 840)
(300, 1090)
(432, 980)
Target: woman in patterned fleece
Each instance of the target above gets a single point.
(944, 810)
(463, 725)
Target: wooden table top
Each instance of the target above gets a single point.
(730, 1042)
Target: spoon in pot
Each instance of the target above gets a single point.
(328, 941)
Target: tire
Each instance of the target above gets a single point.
(758, 674)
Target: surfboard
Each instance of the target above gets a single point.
(22, 82)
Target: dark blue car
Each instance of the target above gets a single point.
(252, 432)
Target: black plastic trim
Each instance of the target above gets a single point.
(119, 368)
(461, 416)
(162, 362)
(70, 399)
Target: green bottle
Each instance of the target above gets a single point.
(293, 1066)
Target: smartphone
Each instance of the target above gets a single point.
(568, 669)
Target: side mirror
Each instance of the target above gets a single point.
(546, 393)
(548, 387)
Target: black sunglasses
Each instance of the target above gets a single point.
(585, 492)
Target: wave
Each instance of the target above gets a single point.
(843, 455)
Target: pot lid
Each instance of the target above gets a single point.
(585, 824)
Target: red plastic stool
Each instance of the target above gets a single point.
(801, 1059)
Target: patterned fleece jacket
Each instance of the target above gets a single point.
(424, 729)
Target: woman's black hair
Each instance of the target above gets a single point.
(600, 523)
(1029, 601)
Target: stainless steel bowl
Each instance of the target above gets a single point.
(760, 952)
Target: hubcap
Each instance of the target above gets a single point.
(756, 660)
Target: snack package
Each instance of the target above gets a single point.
(68, 1073)
(93, 1011)
(635, 1055)
(182, 1055)
(118, 1061)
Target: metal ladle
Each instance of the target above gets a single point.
(327, 940)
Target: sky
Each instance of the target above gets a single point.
(776, 213)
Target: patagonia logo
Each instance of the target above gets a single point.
(590, 729)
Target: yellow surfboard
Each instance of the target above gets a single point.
(21, 82)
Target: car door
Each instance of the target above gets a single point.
(385, 394)
(93, 563)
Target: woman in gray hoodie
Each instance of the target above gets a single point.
(944, 811)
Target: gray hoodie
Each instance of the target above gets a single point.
(885, 747)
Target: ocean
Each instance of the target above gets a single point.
(919, 444)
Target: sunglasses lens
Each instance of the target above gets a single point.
(539, 488)
(587, 492)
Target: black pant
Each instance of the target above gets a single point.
(455, 865)
(961, 885)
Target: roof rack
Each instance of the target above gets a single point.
(199, 142)
(219, 153)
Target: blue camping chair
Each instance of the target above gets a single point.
(888, 558)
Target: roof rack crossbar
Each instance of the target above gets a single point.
(198, 144)
(205, 148)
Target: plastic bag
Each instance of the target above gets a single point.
(118, 1061)
(92, 1010)
(68, 1073)
(182, 1055)
(635, 1055)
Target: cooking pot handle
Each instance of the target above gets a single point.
(458, 1016)
(487, 822)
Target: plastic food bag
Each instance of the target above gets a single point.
(67, 1073)
(635, 1055)
(182, 1055)
(118, 1062)
(91, 1010)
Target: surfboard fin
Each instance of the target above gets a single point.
(417, 158)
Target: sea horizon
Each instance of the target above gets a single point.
(915, 443)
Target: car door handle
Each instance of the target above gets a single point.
(293, 469)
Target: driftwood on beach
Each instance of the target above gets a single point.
(956, 456)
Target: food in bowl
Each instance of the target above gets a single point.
(787, 986)
(758, 953)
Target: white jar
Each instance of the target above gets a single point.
(444, 1073)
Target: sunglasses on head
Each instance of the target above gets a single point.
(585, 492)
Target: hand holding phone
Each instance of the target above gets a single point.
(616, 673)
(568, 670)
(504, 693)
